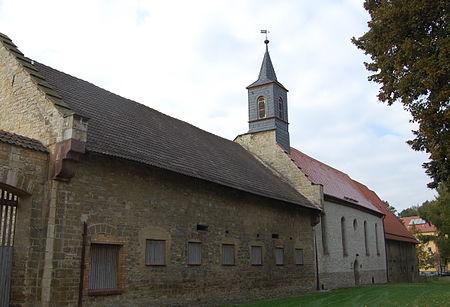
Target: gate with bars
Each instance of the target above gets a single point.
(8, 214)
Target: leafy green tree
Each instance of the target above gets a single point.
(437, 212)
(411, 211)
(409, 45)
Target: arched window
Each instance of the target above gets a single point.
(366, 246)
(261, 107)
(344, 237)
(280, 108)
(324, 234)
(376, 239)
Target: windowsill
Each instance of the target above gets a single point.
(104, 292)
(228, 264)
(257, 264)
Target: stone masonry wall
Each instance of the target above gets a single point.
(337, 270)
(125, 203)
(263, 145)
(24, 172)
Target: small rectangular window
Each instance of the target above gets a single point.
(155, 252)
(279, 256)
(194, 253)
(298, 256)
(228, 254)
(104, 267)
(256, 255)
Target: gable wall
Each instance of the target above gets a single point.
(336, 270)
(25, 171)
(24, 109)
(263, 146)
(127, 203)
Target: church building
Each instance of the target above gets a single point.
(105, 201)
(350, 238)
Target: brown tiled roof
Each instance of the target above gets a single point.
(421, 227)
(335, 183)
(22, 141)
(393, 227)
(123, 128)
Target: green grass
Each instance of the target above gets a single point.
(434, 293)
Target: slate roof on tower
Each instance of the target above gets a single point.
(267, 72)
(123, 128)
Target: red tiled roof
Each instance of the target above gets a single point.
(425, 227)
(22, 141)
(393, 227)
(335, 183)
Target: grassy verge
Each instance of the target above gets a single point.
(434, 293)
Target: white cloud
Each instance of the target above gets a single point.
(193, 59)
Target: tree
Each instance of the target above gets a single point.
(437, 212)
(412, 211)
(409, 46)
(390, 208)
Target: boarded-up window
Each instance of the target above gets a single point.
(104, 266)
(298, 256)
(256, 255)
(228, 254)
(194, 253)
(279, 256)
(155, 252)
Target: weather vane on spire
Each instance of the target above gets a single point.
(265, 32)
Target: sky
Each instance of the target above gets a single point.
(193, 60)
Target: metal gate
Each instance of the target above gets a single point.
(8, 215)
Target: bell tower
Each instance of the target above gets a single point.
(267, 103)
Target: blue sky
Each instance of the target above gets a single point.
(193, 59)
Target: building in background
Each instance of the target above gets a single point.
(431, 262)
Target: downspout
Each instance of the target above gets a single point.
(82, 265)
(317, 261)
(49, 245)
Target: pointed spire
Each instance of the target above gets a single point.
(267, 72)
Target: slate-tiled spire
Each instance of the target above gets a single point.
(267, 103)
(267, 73)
